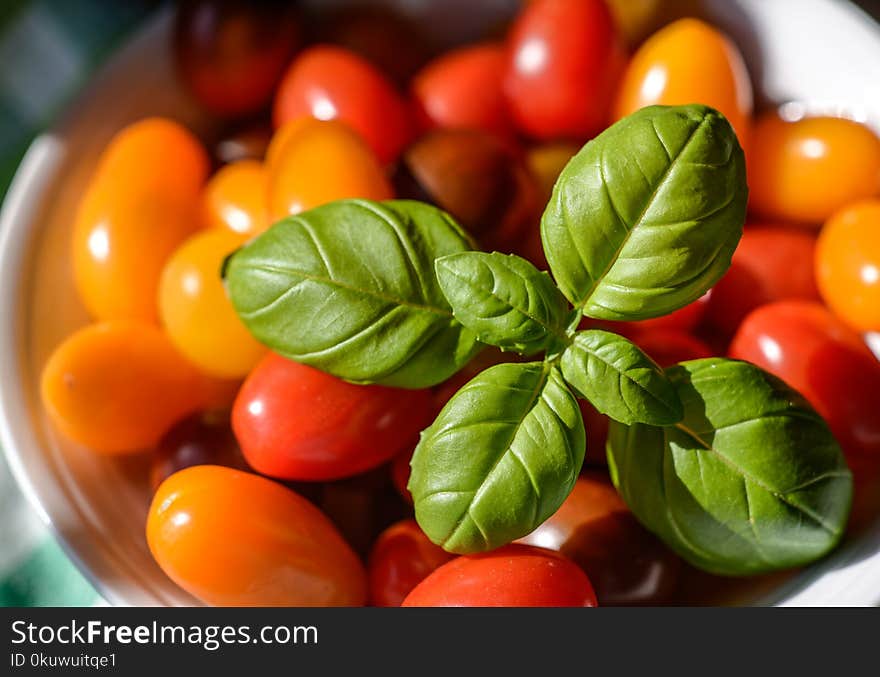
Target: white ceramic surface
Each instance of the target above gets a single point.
(822, 53)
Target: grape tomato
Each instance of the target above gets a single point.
(236, 198)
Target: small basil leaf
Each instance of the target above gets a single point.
(350, 288)
(646, 217)
(751, 481)
(619, 379)
(501, 458)
(505, 300)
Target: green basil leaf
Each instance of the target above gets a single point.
(750, 481)
(619, 379)
(505, 300)
(501, 458)
(350, 288)
(646, 217)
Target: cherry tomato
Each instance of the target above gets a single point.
(475, 177)
(382, 35)
(295, 422)
(402, 557)
(848, 265)
(462, 90)
(684, 319)
(400, 471)
(332, 83)
(244, 143)
(141, 204)
(771, 263)
(204, 438)
(362, 506)
(666, 70)
(196, 312)
(236, 198)
(232, 53)
(116, 387)
(546, 162)
(512, 576)
(595, 529)
(637, 18)
(339, 166)
(232, 538)
(564, 60)
(828, 363)
(668, 347)
(596, 425)
(791, 165)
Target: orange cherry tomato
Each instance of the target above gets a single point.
(116, 387)
(236, 198)
(689, 61)
(624, 562)
(333, 83)
(285, 133)
(196, 312)
(805, 171)
(231, 538)
(546, 163)
(462, 90)
(320, 163)
(848, 265)
(401, 558)
(141, 204)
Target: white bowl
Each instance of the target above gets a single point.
(822, 53)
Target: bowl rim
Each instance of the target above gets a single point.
(831, 581)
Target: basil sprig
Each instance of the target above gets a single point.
(725, 463)
(751, 480)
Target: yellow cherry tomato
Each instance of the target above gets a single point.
(806, 170)
(116, 387)
(140, 205)
(235, 198)
(322, 162)
(848, 265)
(546, 163)
(196, 312)
(689, 61)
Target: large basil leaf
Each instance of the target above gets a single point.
(619, 379)
(752, 480)
(500, 459)
(505, 300)
(350, 288)
(646, 217)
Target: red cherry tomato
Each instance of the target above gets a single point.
(232, 538)
(331, 83)
(512, 576)
(462, 89)
(684, 319)
(828, 363)
(232, 53)
(595, 529)
(668, 347)
(295, 422)
(564, 61)
(402, 557)
(771, 263)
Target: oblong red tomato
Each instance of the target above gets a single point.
(231, 538)
(332, 83)
(828, 363)
(297, 423)
(401, 558)
(512, 576)
(595, 529)
(771, 263)
(564, 60)
(462, 90)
